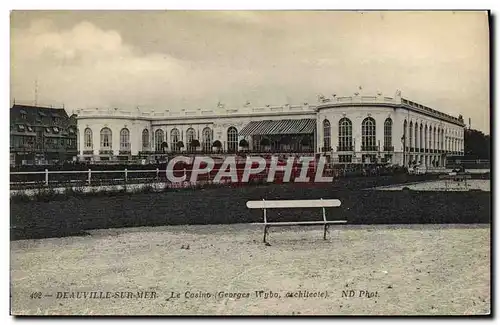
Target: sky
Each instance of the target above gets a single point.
(195, 59)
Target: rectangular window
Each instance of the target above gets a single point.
(369, 158)
(345, 158)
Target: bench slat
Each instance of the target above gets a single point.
(298, 223)
(450, 177)
(275, 204)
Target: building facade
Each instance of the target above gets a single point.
(355, 129)
(41, 135)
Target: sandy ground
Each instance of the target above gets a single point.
(443, 185)
(409, 270)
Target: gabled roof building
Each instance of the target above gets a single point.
(41, 135)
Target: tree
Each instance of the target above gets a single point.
(217, 144)
(163, 146)
(194, 144)
(243, 143)
(180, 144)
(476, 144)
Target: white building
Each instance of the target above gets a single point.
(353, 129)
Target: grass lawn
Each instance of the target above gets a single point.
(410, 270)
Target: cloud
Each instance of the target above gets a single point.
(84, 66)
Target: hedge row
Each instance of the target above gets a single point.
(227, 205)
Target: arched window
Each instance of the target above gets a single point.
(232, 139)
(106, 139)
(87, 139)
(145, 140)
(417, 144)
(326, 135)
(368, 135)
(421, 143)
(424, 144)
(405, 134)
(430, 137)
(206, 135)
(440, 139)
(443, 140)
(443, 144)
(411, 136)
(345, 135)
(78, 139)
(125, 139)
(190, 136)
(159, 139)
(388, 134)
(437, 139)
(174, 139)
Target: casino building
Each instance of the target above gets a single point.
(354, 129)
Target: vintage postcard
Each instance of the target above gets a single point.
(250, 163)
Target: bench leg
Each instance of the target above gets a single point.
(265, 233)
(326, 229)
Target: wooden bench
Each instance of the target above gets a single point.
(290, 204)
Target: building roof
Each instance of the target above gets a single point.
(40, 116)
(297, 126)
(35, 110)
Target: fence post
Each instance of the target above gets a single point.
(46, 177)
(126, 175)
(90, 175)
(157, 174)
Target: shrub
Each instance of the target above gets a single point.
(71, 191)
(165, 188)
(148, 188)
(20, 197)
(45, 194)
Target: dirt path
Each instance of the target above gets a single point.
(419, 269)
